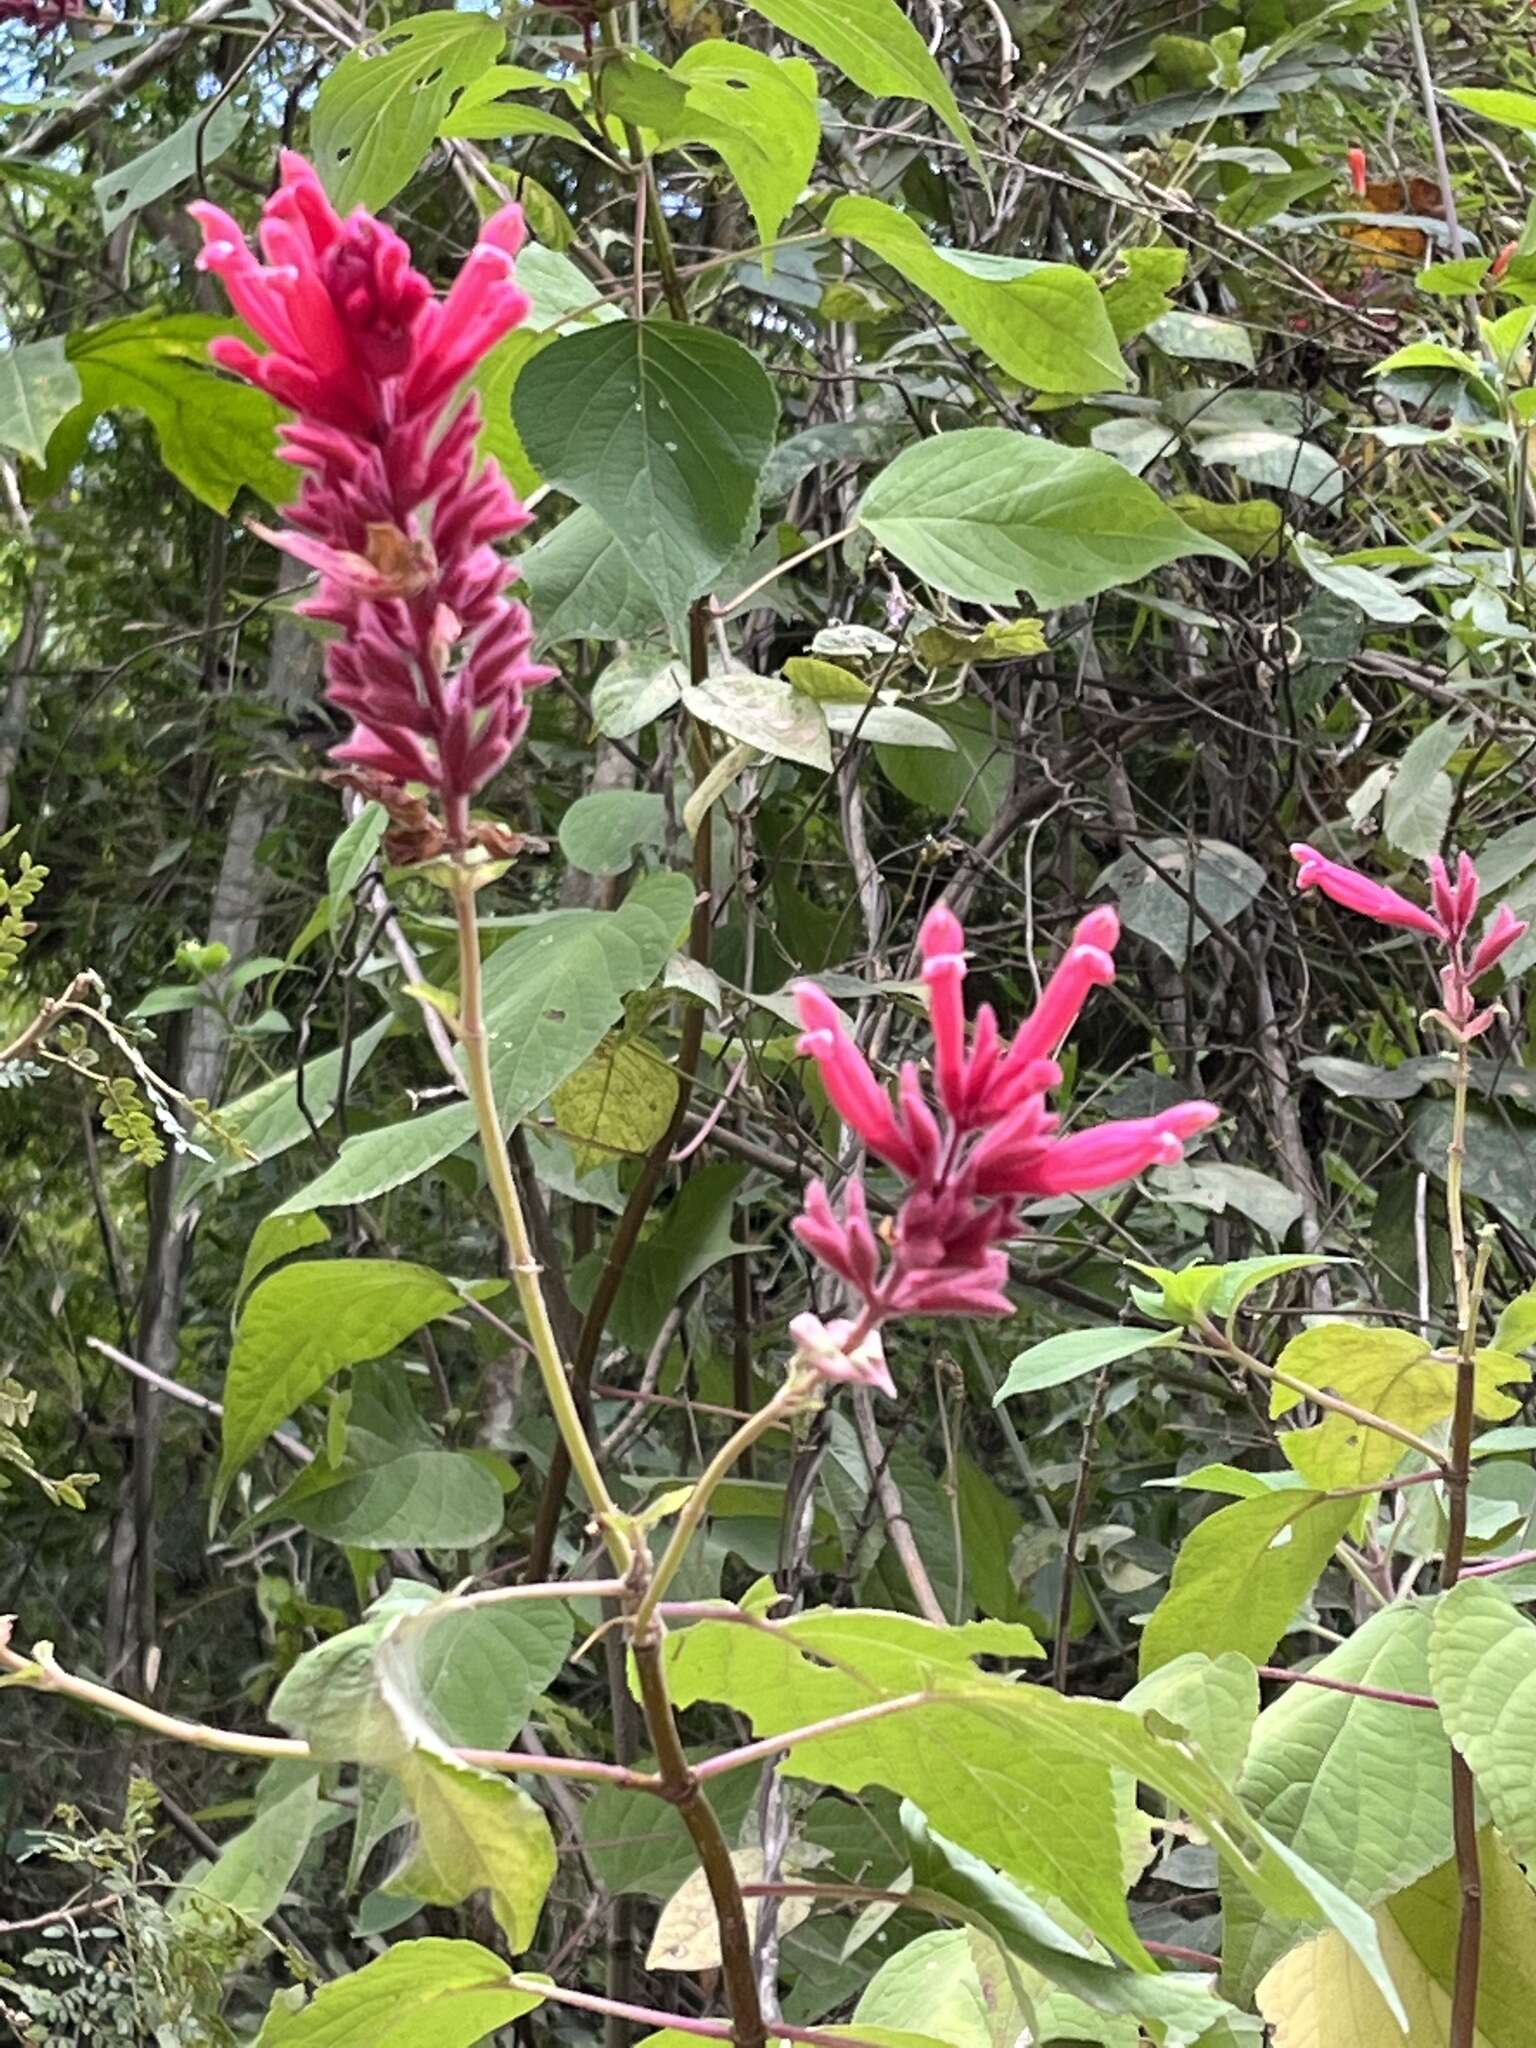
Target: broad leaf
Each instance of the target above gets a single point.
(308, 1321)
(376, 116)
(38, 386)
(584, 586)
(758, 114)
(1420, 794)
(418, 1994)
(660, 429)
(251, 1873)
(621, 1101)
(986, 512)
(1075, 1352)
(600, 833)
(146, 178)
(1013, 1772)
(1360, 1787)
(1154, 881)
(1043, 323)
(1241, 1575)
(475, 1833)
(432, 1499)
(1482, 1661)
(1319, 1995)
(215, 436)
(765, 713)
(876, 45)
(959, 1986)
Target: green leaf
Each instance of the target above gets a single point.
(998, 640)
(437, 1500)
(660, 429)
(251, 1873)
(148, 177)
(694, 1234)
(763, 712)
(475, 1833)
(636, 1843)
(1482, 1662)
(1153, 881)
(1044, 323)
(306, 1322)
(418, 1994)
(375, 117)
(1075, 1352)
(1360, 1787)
(1391, 1373)
(372, 1162)
(825, 682)
(1136, 299)
(38, 386)
(982, 512)
(876, 45)
(584, 586)
(352, 854)
(215, 435)
(1376, 595)
(1419, 796)
(1318, 1990)
(600, 833)
(1517, 1325)
(277, 1237)
(621, 1101)
(960, 1987)
(1241, 1575)
(758, 113)
(1251, 527)
(1196, 337)
(1214, 1700)
(269, 1121)
(635, 689)
(1015, 1773)
(1510, 109)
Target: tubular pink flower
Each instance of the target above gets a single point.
(1089, 964)
(1504, 928)
(991, 1143)
(1116, 1151)
(434, 660)
(849, 1081)
(1354, 891)
(824, 1347)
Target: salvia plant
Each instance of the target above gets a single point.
(724, 1370)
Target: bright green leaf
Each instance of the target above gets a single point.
(418, 1994)
(982, 512)
(1075, 1352)
(1043, 323)
(660, 429)
(376, 116)
(1241, 1575)
(38, 386)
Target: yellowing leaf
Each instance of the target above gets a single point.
(826, 682)
(621, 1101)
(997, 640)
(687, 1933)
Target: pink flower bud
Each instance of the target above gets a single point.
(1504, 928)
(1355, 157)
(820, 1347)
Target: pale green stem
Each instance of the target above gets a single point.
(509, 1208)
(790, 1397)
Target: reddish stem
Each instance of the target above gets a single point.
(1364, 1692)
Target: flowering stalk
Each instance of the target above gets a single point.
(991, 1144)
(395, 512)
(1463, 963)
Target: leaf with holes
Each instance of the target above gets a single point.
(375, 117)
(148, 177)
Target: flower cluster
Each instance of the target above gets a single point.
(396, 514)
(42, 14)
(1449, 924)
(989, 1143)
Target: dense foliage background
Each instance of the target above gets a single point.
(1226, 548)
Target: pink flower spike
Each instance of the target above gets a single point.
(1504, 928)
(1354, 891)
(819, 1346)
